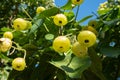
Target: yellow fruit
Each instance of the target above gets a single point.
(93, 23)
(77, 2)
(79, 50)
(19, 64)
(8, 35)
(61, 44)
(20, 24)
(29, 24)
(40, 9)
(90, 28)
(86, 38)
(5, 44)
(60, 20)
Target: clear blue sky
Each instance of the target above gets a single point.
(86, 8)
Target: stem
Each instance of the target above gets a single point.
(61, 30)
(19, 48)
(27, 13)
(77, 11)
(46, 27)
(12, 51)
(95, 15)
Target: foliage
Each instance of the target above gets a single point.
(43, 63)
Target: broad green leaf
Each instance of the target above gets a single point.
(72, 65)
(111, 22)
(70, 15)
(35, 26)
(96, 66)
(67, 6)
(4, 74)
(101, 12)
(110, 51)
(48, 13)
(6, 29)
(78, 65)
(4, 57)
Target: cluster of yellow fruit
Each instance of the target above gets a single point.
(5, 41)
(20, 24)
(60, 44)
(85, 39)
(5, 45)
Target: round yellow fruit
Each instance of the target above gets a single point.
(20, 24)
(61, 44)
(92, 29)
(39, 9)
(86, 38)
(79, 50)
(8, 35)
(77, 2)
(5, 44)
(60, 20)
(19, 64)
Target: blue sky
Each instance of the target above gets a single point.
(86, 8)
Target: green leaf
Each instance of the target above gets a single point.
(78, 65)
(101, 12)
(96, 66)
(70, 15)
(4, 74)
(110, 51)
(72, 65)
(35, 26)
(6, 29)
(111, 22)
(4, 57)
(49, 36)
(67, 6)
(48, 13)
(83, 20)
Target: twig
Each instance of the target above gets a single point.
(77, 11)
(27, 13)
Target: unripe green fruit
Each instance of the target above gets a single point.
(60, 20)
(8, 35)
(79, 50)
(40, 9)
(77, 2)
(86, 38)
(93, 23)
(61, 44)
(5, 44)
(19, 64)
(20, 24)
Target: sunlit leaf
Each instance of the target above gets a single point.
(49, 12)
(67, 6)
(72, 65)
